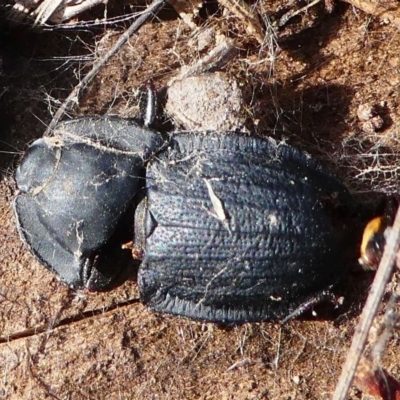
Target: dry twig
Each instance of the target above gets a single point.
(152, 9)
(371, 378)
(370, 309)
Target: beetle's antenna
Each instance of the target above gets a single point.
(148, 104)
(152, 9)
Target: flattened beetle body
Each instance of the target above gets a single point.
(75, 186)
(237, 229)
(231, 228)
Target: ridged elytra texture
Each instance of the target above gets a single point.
(237, 229)
(75, 187)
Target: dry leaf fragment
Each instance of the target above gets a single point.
(187, 10)
(55, 11)
(377, 382)
(242, 11)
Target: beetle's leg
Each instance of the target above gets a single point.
(148, 103)
(324, 295)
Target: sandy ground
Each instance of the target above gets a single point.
(62, 344)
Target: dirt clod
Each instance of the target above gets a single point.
(206, 102)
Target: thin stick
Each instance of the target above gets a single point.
(370, 309)
(152, 9)
(293, 13)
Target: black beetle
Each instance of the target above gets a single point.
(232, 228)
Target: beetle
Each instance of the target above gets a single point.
(230, 228)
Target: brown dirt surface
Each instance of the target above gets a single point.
(305, 84)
